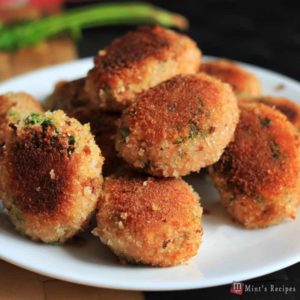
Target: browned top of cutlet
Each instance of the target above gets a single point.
(290, 109)
(286, 106)
(264, 155)
(140, 202)
(4, 108)
(240, 79)
(133, 47)
(21, 101)
(14, 106)
(179, 106)
(100, 121)
(69, 96)
(39, 170)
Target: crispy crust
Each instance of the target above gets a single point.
(258, 176)
(52, 177)
(137, 61)
(289, 108)
(150, 221)
(14, 106)
(74, 101)
(104, 127)
(70, 97)
(133, 48)
(243, 82)
(33, 154)
(178, 126)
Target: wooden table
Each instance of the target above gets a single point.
(19, 284)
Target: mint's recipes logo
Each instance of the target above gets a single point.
(240, 288)
(237, 288)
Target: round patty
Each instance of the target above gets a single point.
(178, 126)
(154, 221)
(137, 61)
(52, 176)
(258, 176)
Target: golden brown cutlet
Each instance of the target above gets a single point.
(139, 60)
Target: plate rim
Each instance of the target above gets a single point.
(188, 285)
(184, 285)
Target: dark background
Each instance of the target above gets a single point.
(264, 33)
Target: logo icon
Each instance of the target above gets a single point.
(237, 288)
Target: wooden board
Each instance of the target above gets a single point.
(47, 53)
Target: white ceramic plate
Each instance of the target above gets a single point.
(229, 252)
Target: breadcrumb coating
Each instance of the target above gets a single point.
(13, 107)
(150, 220)
(258, 176)
(286, 106)
(243, 83)
(178, 126)
(137, 61)
(52, 176)
(71, 97)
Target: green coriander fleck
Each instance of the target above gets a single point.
(71, 140)
(260, 199)
(265, 122)
(194, 130)
(124, 132)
